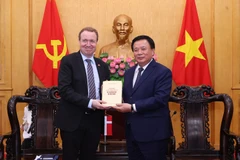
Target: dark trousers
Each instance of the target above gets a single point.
(154, 150)
(27, 143)
(84, 140)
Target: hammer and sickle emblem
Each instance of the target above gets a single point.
(55, 57)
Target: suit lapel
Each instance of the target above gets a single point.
(145, 75)
(99, 69)
(82, 70)
(129, 81)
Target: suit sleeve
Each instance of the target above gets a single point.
(65, 86)
(161, 93)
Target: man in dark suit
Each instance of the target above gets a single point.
(146, 91)
(81, 112)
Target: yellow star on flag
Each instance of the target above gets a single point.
(191, 48)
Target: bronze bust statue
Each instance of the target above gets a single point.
(122, 28)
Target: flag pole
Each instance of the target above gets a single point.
(105, 139)
(104, 142)
(105, 130)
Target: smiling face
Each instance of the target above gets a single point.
(88, 43)
(143, 52)
(122, 27)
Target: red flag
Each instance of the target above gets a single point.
(190, 64)
(107, 125)
(51, 47)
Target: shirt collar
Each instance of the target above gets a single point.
(84, 58)
(144, 67)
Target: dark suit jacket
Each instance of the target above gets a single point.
(150, 95)
(72, 83)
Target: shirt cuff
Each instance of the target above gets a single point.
(134, 108)
(90, 104)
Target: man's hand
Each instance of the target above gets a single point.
(98, 104)
(123, 107)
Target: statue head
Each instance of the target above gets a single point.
(122, 27)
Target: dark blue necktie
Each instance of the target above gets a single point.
(91, 82)
(138, 76)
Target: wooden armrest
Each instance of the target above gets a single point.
(2, 138)
(236, 138)
(5, 136)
